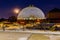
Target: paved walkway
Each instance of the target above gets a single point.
(35, 31)
(13, 36)
(27, 36)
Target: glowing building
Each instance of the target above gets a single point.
(31, 11)
(31, 15)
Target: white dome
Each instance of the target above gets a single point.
(31, 11)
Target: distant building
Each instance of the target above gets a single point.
(53, 16)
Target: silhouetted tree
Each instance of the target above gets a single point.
(12, 19)
(2, 19)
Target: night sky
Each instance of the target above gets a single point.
(6, 6)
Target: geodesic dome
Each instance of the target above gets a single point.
(31, 12)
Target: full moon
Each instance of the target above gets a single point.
(16, 10)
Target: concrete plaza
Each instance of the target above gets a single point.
(27, 36)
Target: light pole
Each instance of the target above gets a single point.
(16, 12)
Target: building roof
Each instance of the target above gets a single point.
(55, 10)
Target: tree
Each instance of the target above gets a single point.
(12, 19)
(2, 19)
